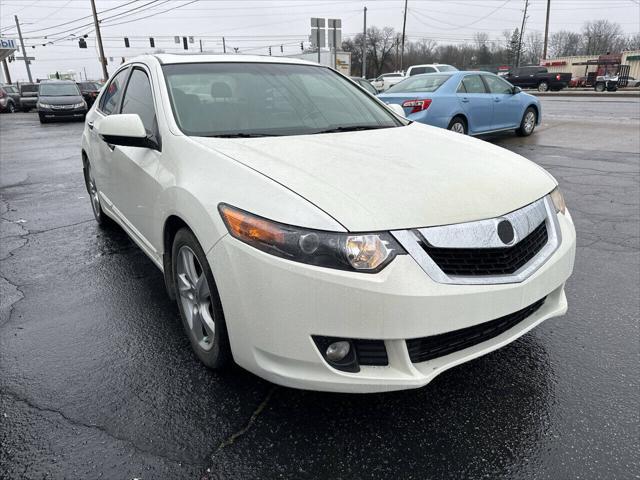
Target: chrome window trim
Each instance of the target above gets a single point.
(482, 234)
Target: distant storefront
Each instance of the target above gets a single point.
(582, 65)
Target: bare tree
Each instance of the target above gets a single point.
(564, 43)
(533, 47)
(602, 36)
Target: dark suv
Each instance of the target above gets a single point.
(60, 99)
(89, 91)
(28, 96)
(9, 98)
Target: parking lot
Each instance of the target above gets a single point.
(97, 379)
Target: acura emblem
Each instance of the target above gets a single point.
(505, 232)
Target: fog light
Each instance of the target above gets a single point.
(337, 351)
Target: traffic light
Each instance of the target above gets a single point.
(281, 49)
(126, 42)
(302, 46)
(152, 42)
(269, 51)
(82, 43)
(184, 43)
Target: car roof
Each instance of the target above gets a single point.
(57, 81)
(176, 58)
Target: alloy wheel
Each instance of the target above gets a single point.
(195, 297)
(457, 127)
(529, 122)
(93, 192)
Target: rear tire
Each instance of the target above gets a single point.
(458, 125)
(528, 122)
(543, 86)
(599, 87)
(198, 301)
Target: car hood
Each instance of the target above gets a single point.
(62, 100)
(395, 178)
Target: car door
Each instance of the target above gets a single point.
(100, 152)
(476, 103)
(506, 105)
(135, 169)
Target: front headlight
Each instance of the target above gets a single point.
(558, 201)
(365, 252)
(82, 104)
(44, 105)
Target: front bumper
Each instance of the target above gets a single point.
(273, 307)
(62, 113)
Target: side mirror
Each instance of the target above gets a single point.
(126, 130)
(516, 90)
(395, 108)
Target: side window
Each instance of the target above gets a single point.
(111, 97)
(497, 85)
(473, 84)
(138, 99)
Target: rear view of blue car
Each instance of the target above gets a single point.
(472, 103)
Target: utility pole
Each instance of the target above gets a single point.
(546, 31)
(224, 46)
(24, 52)
(404, 25)
(364, 46)
(335, 47)
(318, 29)
(103, 59)
(524, 19)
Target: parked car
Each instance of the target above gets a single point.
(429, 68)
(9, 98)
(538, 77)
(466, 102)
(28, 96)
(366, 84)
(387, 80)
(578, 82)
(606, 82)
(89, 91)
(60, 100)
(321, 240)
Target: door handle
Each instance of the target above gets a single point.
(496, 99)
(465, 100)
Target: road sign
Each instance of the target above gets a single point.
(318, 33)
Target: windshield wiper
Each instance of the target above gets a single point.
(243, 135)
(352, 128)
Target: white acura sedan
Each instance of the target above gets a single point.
(313, 235)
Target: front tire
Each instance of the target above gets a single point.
(528, 122)
(458, 125)
(11, 108)
(94, 197)
(43, 119)
(198, 301)
(543, 86)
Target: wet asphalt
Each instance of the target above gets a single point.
(97, 379)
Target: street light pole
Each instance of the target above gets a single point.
(103, 59)
(404, 25)
(364, 46)
(24, 52)
(546, 31)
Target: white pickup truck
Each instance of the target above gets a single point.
(387, 80)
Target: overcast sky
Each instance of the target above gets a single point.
(253, 25)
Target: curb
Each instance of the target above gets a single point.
(611, 95)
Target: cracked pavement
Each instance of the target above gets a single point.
(97, 379)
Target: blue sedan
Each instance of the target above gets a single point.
(466, 102)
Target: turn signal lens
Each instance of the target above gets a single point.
(362, 252)
(558, 201)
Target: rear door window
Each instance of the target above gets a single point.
(473, 84)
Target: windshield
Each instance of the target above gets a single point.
(260, 99)
(428, 82)
(58, 90)
(447, 68)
